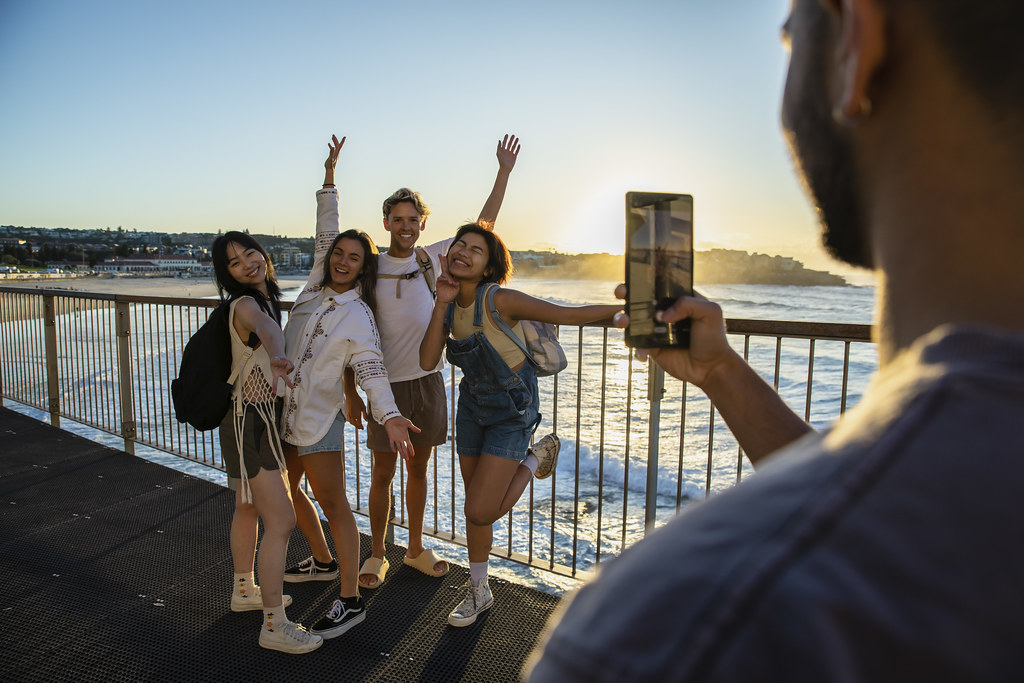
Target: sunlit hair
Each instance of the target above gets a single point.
(228, 286)
(406, 195)
(367, 279)
(499, 261)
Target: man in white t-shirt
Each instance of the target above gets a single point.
(405, 298)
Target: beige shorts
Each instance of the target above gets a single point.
(424, 402)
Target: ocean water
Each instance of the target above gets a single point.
(603, 420)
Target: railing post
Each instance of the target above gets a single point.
(655, 390)
(389, 530)
(50, 343)
(124, 376)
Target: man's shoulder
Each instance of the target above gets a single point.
(437, 248)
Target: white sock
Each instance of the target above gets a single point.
(478, 572)
(531, 463)
(273, 616)
(244, 583)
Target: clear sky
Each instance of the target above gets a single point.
(200, 116)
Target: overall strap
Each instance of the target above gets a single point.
(478, 306)
(500, 323)
(449, 315)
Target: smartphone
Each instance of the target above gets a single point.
(659, 266)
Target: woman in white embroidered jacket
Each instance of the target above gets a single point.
(331, 327)
(250, 445)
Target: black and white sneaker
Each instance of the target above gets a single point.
(311, 570)
(340, 618)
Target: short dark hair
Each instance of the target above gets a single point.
(367, 279)
(227, 284)
(499, 261)
(981, 41)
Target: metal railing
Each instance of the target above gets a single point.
(631, 459)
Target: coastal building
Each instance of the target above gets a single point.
(287, 256)
(151, 264)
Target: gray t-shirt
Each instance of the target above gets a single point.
(885, 549)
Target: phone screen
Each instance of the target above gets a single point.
(659, 265)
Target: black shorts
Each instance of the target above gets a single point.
(256, 447)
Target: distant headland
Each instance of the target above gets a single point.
(715, 266)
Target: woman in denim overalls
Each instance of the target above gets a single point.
(498, 407)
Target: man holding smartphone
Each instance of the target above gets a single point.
(885, 548)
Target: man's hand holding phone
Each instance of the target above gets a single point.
(709, 348)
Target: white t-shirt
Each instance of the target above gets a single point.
(403, 320)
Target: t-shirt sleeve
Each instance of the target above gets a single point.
(436, 251)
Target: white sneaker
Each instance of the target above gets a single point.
(289, 637)
(478, 599)
(546, 451)
(253, 600)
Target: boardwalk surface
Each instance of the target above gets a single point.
(117, 569)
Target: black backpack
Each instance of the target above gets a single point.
(201, 393)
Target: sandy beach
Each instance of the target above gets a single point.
(197, 287)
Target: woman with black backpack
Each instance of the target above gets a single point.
(250, 444)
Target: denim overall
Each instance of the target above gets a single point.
(498, 409)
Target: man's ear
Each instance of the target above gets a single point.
(423, 224)
(860, 53)
(386, 226)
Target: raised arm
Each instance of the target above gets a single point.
(758, 417)
(508, 151)
(249, 317)
(514, 305)
(326, 217)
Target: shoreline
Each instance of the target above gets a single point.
(142, 285)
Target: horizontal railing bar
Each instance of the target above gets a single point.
(800, 329)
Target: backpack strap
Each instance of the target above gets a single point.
(500, 323)
(426, 267)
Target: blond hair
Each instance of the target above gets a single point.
(404, 194)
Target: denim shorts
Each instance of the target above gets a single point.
(332, 441)
(499, 423)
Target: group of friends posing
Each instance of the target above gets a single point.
(375, 320)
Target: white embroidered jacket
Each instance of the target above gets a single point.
(327, 332)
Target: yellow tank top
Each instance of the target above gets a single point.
(462, 327)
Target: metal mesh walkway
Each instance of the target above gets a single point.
(116, 569)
